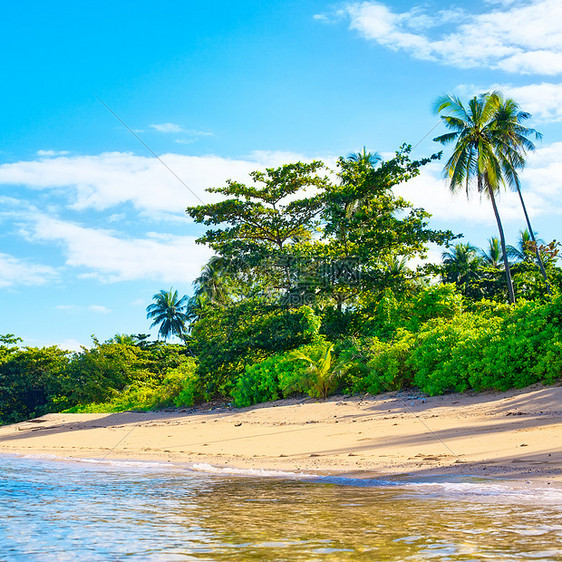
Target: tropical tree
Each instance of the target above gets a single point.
(322, 374)
(523, 251)
(515, 145)
(492, 257)
(357, 164)
(365, 157)
(212, 283)
(461, 265)
(258, 226)
(169, 311)
(484, 153)
(370, 227)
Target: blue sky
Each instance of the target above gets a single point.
(92, 224)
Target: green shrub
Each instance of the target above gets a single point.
(387, 316)
(323, 374)
(389, 369)
(29, 380)
(228, 339)
(179, 387)
(526, 349)
(435, 301)
(447, 351)
(374, 366)
(277, 376)
(189, 384)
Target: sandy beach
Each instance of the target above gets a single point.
(516, 435)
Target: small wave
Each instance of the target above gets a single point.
(122, 463)
(210, 469)
(492, 490)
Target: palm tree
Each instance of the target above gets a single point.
(493, 257)
(322, 374)
(363, 157)
(169, 311)
(461, 265)
(516, 144)
(523, 252)
(212, 283)
(479, 154)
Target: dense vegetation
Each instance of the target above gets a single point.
(122, 373)
(312, 290)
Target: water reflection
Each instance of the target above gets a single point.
(63, 511)
(298, 520)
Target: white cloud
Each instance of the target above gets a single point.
(110, 257)
(543, 175)
(99, 309)
(15, 272)
(68, 307)
(541, 185)
(543, 101)
(515, 37)
(74, 308)
(110, 179)
(52, 152)
(69, 345)
(175, 128)
(167, 128)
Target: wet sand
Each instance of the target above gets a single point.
(515, 435)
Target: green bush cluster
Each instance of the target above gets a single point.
(179, 387)
(384, 365)
(496, 347)
(277, 376)
(120, 374)
(438, 347)
(229, 339)
(436, 342)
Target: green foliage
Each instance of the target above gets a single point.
(388, 314)
(323, 246)
(169, 312)
(29, 380)
(322, 375)
(226, 340)
(179, 387)
(282, 375)
(527, 349)
(389, 368)
(99, 373)
(447, 351)
(122, 373)
(376, 366)
(513, 347)
(185, 376)
(491, 346)
(434, 301)
(383, 316)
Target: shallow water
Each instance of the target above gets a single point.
(63, 510)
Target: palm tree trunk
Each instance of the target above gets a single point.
(510, 290)
(532, 235)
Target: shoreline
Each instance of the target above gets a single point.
(514, 435)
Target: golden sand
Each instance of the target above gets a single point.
(516, 434)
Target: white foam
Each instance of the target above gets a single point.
(260, 472)
(121, 463)
(507, 492)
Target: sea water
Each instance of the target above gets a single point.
(113, 510)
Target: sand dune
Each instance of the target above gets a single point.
(516, 434)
